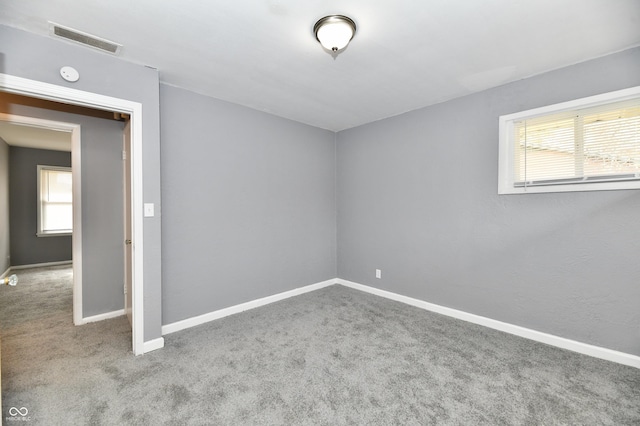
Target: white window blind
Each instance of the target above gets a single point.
(588, 145)
(591, 143)
(55, 200)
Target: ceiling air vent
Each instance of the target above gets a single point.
(85, 39)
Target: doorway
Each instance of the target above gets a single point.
(39, 90)
(48, 141)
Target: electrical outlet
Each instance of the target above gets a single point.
(378, 273)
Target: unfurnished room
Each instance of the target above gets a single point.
(320, 213)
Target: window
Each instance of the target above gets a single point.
(588, 144)
(55, 197)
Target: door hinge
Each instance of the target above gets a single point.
(124, 155)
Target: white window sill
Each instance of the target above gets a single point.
(54, 234)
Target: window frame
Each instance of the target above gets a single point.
(506, 159)
(41, 232)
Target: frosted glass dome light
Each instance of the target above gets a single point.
(334, 32)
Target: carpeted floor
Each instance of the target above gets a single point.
(331, 357)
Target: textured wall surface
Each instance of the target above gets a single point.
(249, 204)
(5, 249)
(40, 58)
(26, 247)
(417, 198)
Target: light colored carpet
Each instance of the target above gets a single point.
(332, 357)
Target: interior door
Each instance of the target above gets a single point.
(128, 247)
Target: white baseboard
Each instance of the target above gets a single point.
(5, 273)
(153, 345)
(101, 317)
(42, 265)
(201, 319)
(149, 346)
(549, 339)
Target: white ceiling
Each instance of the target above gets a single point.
(37, 137)
(406, 54)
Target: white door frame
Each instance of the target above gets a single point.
(37, 89)
(126, 237)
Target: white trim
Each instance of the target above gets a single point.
(41, 265)
(211, 316)
(76, 237)
(587, 102)
(549, 339)
(152, 345)
(137, 218)
(41, 123)
(40, 90)
(102, 317)
(38, 123)
(5, 273)
(53, 234)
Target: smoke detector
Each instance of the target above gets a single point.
(86, 39)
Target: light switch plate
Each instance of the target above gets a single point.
(148, 210)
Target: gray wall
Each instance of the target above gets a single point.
(40, 58)
(26, 247)
(4, 207)
(417, 198)
(249, 204)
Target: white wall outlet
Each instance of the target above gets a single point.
(378, 273)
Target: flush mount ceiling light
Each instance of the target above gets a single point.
(334, 32)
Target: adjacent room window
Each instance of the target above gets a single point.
(55, 201)
(588, 144)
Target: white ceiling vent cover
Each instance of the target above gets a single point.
(85, 39)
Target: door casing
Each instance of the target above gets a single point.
(40, 90)
(126, 153)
